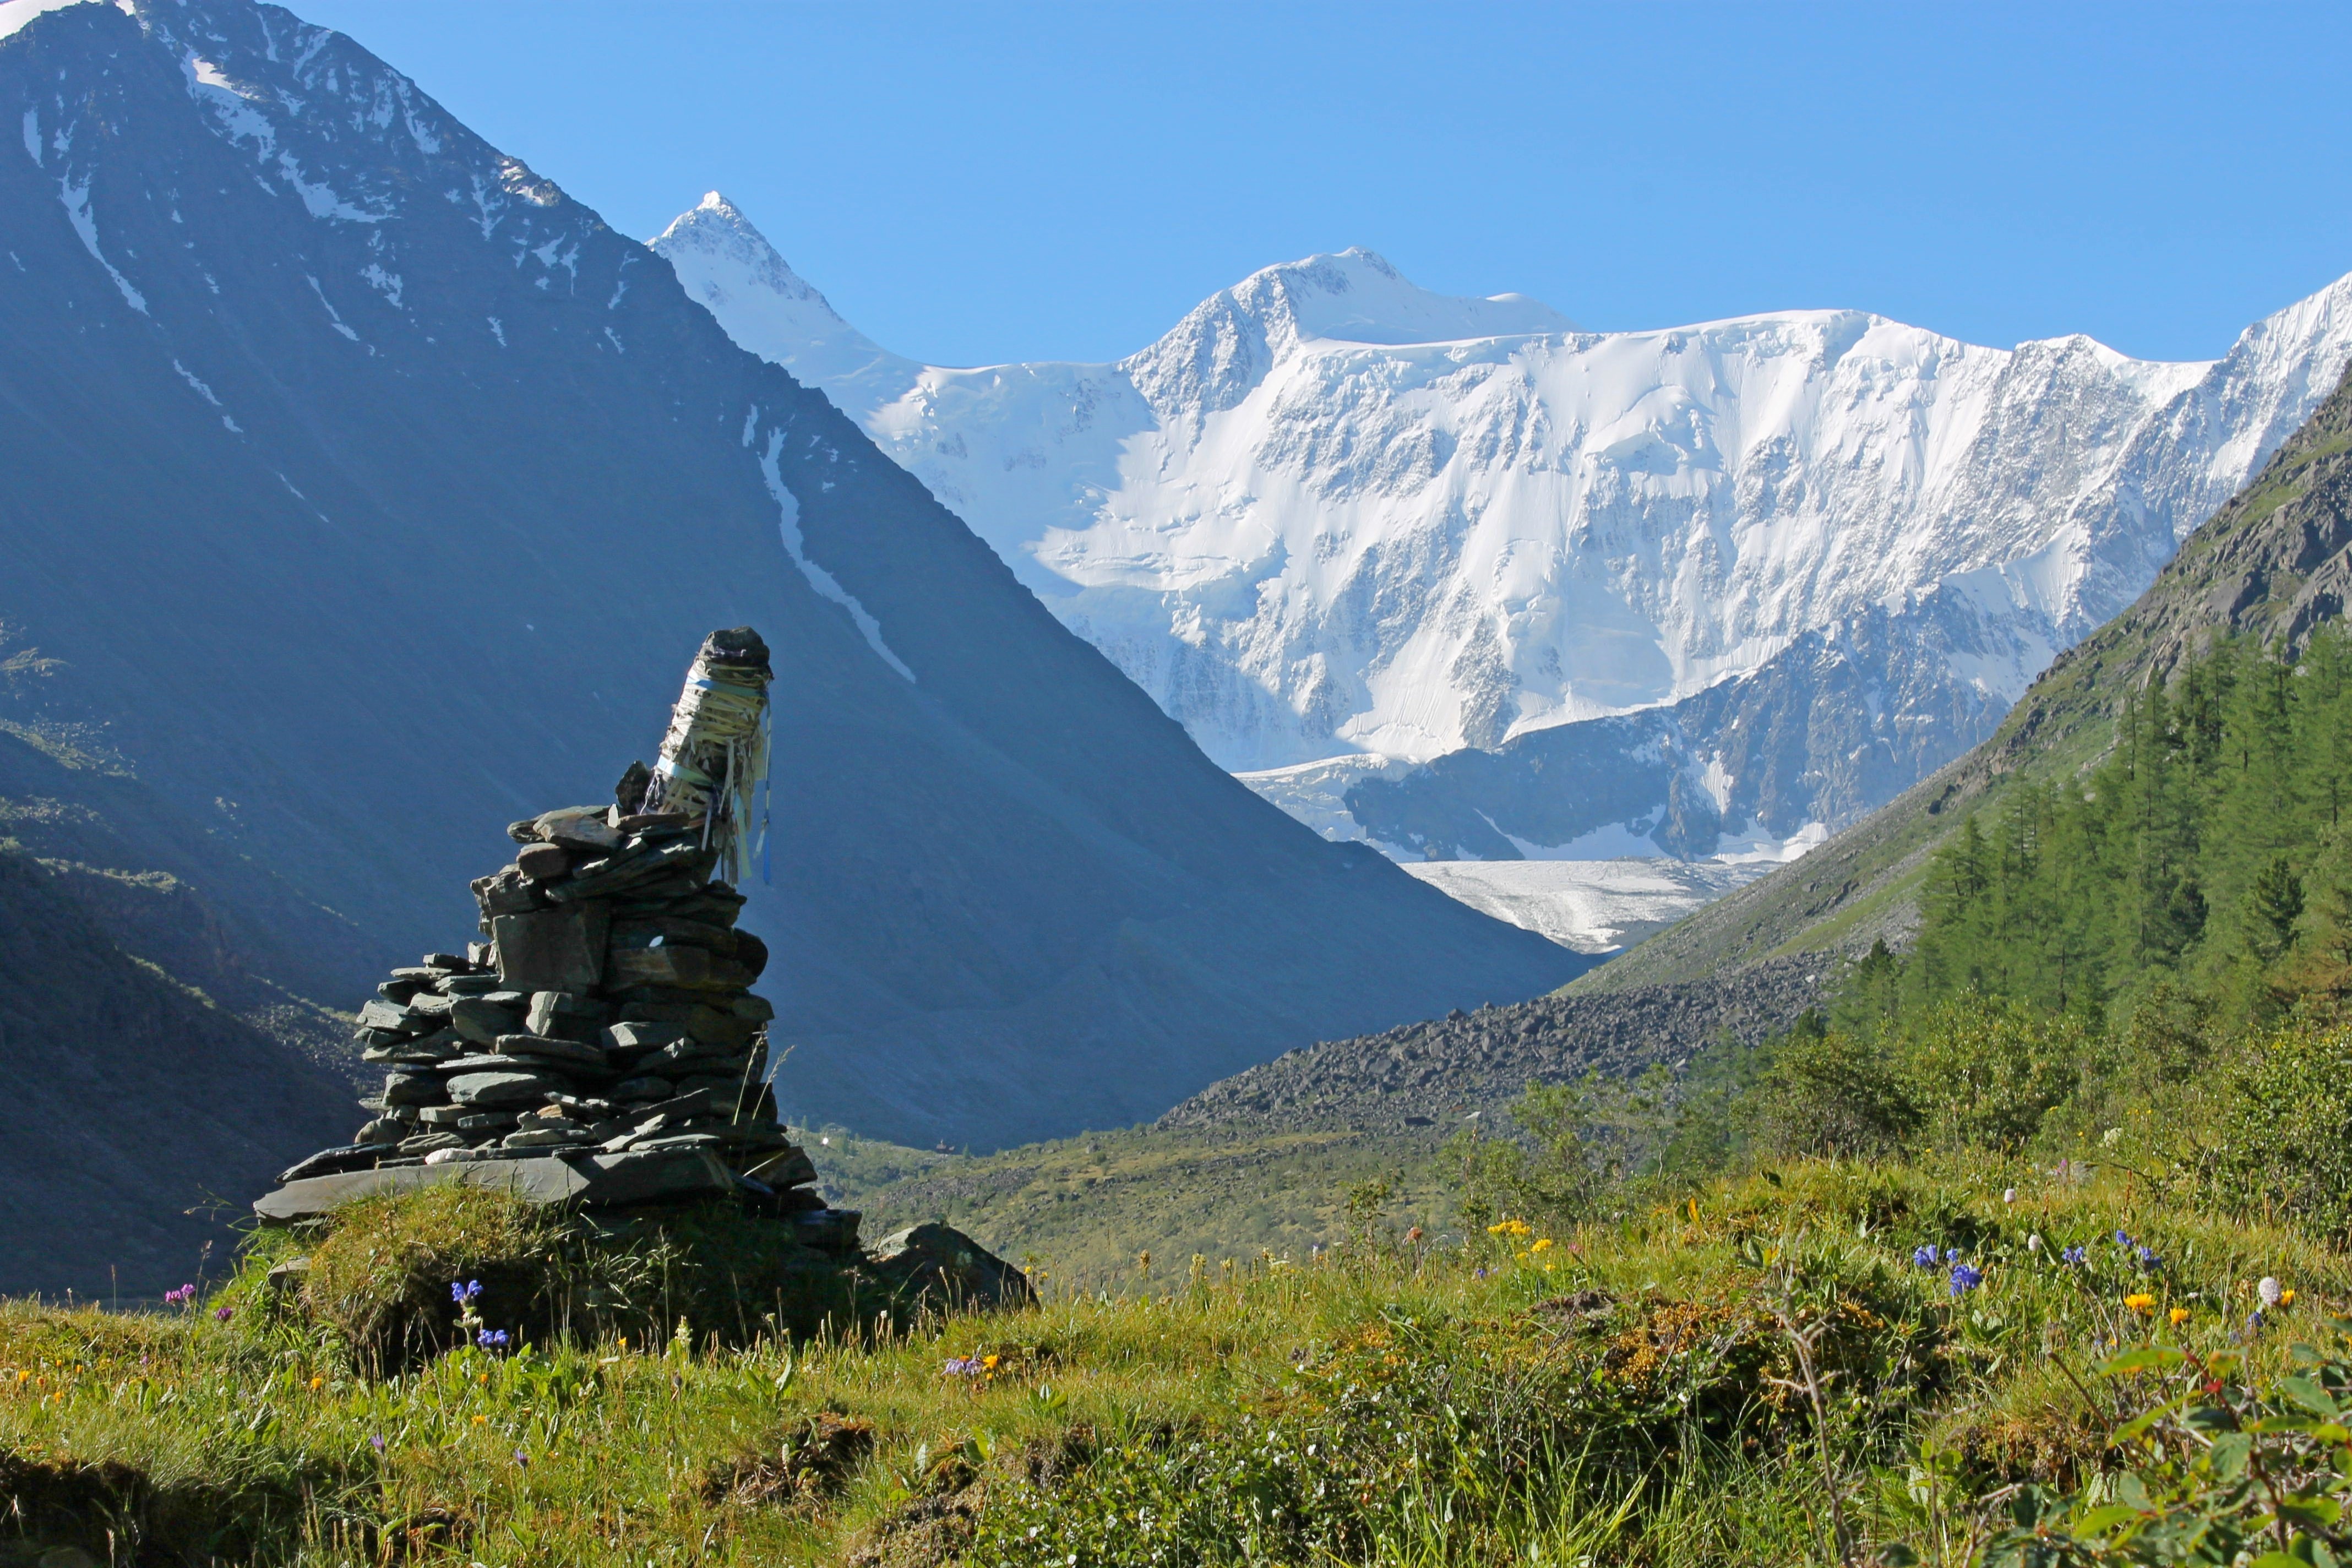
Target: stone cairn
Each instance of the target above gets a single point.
(604, 1040)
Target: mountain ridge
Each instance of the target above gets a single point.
(1309, 545)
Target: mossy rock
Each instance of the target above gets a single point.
(376, 1276)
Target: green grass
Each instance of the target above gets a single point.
(1622, 1395)
(1085, 1209)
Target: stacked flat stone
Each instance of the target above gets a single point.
(608, 1015)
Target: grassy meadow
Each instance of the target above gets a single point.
(1764, 1372)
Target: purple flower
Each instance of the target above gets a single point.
(2076, 1255)
(1925, 1256)
(464, 1294)
(491, 1339)
(223, 1314)
(1964, 1279)
(2121, 1239)
(519, 1460)
(181, 1297)
(963, 1366)
(2147, 1258)
(1480, 1274)
(376, 1442)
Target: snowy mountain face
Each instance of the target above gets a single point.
(1331, 513)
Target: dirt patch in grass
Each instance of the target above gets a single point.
(812, 1461)
(118, 1514)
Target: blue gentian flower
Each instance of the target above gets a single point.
(491, 1339)
(1966, 1279)
(1924, 1257)
(2147, 1258)
(464, 1294)
(2076, 1256)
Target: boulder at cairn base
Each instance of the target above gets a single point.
(944, 1263)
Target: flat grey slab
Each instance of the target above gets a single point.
(656, 1175)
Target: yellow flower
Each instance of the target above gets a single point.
(481, 1420)
(2139, 1301)
(2179, 1315)
(317, 1384)
(2286, 1297)
(989, 1362)
(1541, 1242)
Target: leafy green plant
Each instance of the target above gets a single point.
(1582, 1141)
(2228, 1470)
(2282, 1138)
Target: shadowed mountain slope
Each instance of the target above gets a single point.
(366, 493)
(132, 1100)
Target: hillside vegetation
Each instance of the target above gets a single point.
(1765, 1372)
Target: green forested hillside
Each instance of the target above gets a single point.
(2207, 848)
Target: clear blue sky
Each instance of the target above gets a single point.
(974, 183)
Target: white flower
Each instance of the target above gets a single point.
(2034, 1242)
(2270, 1290)
(2009, 1194)
(2115, 1135)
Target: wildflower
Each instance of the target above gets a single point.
(464, 1294)
(1542, 1242)
(520, 1458)
(1413, 1235)
(2270, 1291)
(2034, 1242)
(181, 1297)
(223, 1314)
(1479, 1274)
(2009, 1194)
(2077, 1256)
(2179, 1315)
(317, 1384)
(491, 1339)
(1925, 1256)
(2113, 1136)
(376, 1442)
(2286, 1297)
(2121, 1239)
(988, 1363)
(1966, 1279)
(481, 1420)
(2140, 1301)
(2147, 1258)
(963, 1366)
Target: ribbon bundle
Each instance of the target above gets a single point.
(714, 759)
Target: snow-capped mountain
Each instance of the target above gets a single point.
(1330, 512)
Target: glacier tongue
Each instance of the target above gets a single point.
(1331, 512)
